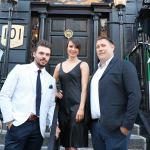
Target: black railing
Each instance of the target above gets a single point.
(139, 56)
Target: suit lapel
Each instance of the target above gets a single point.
(45, 85)
(33, 79)
(112, 62)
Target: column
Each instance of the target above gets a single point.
(42, 25)
(95, 35)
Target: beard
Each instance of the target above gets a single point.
(40, 63)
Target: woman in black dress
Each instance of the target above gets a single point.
(73, 75)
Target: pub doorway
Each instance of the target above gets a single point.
(59, 23)
(60, 29)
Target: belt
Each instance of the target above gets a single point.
(96, 120)
(33, 118)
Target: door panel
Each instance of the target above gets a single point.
(81, 30)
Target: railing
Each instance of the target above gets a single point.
(2, 50)
(140, 57)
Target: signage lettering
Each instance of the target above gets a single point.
(16, 37)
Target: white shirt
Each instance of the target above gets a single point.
(94, 90)
(35, 71)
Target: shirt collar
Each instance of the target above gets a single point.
(106, 63)
(35, 68)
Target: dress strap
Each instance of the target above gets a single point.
(80, 62)
(61, 65)
(60, 68)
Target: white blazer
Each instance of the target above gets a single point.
(18, 93)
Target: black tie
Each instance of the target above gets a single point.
(38, 93)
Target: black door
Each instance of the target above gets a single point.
(81, 28)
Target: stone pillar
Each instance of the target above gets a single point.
(96, 34)
(42, 25)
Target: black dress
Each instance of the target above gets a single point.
(72, 134)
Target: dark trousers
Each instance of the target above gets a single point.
(24, 137)
(104, 139)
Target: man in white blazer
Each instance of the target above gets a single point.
(18, 102)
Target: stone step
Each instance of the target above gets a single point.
(61, 148)
(2, 136)
(136, 129)
(45, 148)
(136, 143)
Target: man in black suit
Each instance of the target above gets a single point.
(114, 99)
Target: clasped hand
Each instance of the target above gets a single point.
(59, 94)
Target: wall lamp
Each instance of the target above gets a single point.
(120, 3)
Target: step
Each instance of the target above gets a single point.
(61, 148)
(137, 142)
(136, 129)
(45, 148)
(2, 136)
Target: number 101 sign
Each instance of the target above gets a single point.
(16, 38)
